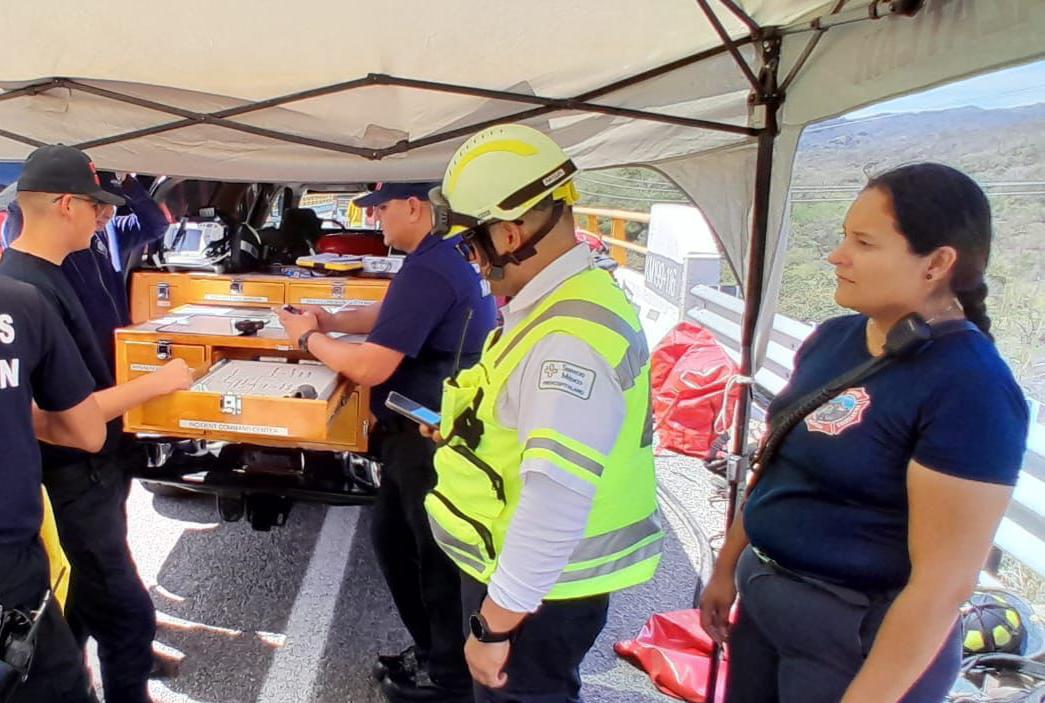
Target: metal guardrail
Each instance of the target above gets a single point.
(721, 314)
(617, 239)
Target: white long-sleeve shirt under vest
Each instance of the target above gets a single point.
(554, 505)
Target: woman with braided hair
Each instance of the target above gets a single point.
(871, 522)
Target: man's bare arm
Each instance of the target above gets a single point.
(114, 402)
(80, 427)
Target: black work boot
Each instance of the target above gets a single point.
(422, 688)
(400, 667)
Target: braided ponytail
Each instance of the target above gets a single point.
(974, 303)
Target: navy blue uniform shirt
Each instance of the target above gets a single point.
(833, 503)
(38, 361)
(425, 315)
(52, 283)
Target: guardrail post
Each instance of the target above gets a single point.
(618, 230)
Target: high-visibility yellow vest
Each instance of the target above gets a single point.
(478, 464)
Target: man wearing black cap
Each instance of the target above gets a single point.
(96, 273)
(435, 316)
(60, 196)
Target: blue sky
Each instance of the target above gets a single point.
(1011, 87)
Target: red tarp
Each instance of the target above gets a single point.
(689, 372)
(676, 653)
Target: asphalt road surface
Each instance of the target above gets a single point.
(299, 614)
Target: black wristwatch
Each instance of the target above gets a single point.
(481, 630)
(303, 340)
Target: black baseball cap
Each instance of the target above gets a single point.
(57, 168)
(383, 192)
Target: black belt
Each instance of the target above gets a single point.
(849, 595)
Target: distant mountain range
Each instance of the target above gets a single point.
(992, 145)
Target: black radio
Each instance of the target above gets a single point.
(18, 631)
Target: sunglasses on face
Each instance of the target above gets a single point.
(471, 244)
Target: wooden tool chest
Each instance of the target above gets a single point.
(193, 317)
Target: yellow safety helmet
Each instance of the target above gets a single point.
(500, 174)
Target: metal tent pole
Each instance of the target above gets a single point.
(769, 99)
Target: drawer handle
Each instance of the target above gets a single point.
(231, 405)
(163, 293)
(236, 287)
(163, 351)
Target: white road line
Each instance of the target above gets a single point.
(294, 669)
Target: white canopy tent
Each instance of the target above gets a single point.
(351, 91)
(713, 93)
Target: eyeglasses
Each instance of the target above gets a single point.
(471, 246)
(469, 249)
(98, 205)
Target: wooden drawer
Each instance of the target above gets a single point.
(155, 299)
(255, 420)
(235, 291)
(154, 294)
(139, 358)
(335, 293)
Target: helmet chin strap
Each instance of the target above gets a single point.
(498, 262)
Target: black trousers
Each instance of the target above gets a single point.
(57, 674)
(795, 642)
(107, 599)
(424, 583)
(547, 651)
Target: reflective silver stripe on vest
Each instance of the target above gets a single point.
(561, 450)
(635, 357)
(612, 542)
(639, 555)
(647, 427)
(445, 538)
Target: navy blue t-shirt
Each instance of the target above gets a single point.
(833, 503)
(38, 361)
(57, 291)
(435, 305)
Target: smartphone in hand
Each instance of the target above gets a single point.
(413, 410)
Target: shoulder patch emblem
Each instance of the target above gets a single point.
(840, 413)
(566, 377)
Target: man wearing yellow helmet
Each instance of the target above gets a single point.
(546, 495)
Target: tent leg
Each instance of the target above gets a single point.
(770, 98)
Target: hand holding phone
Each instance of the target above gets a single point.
(413, 410)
